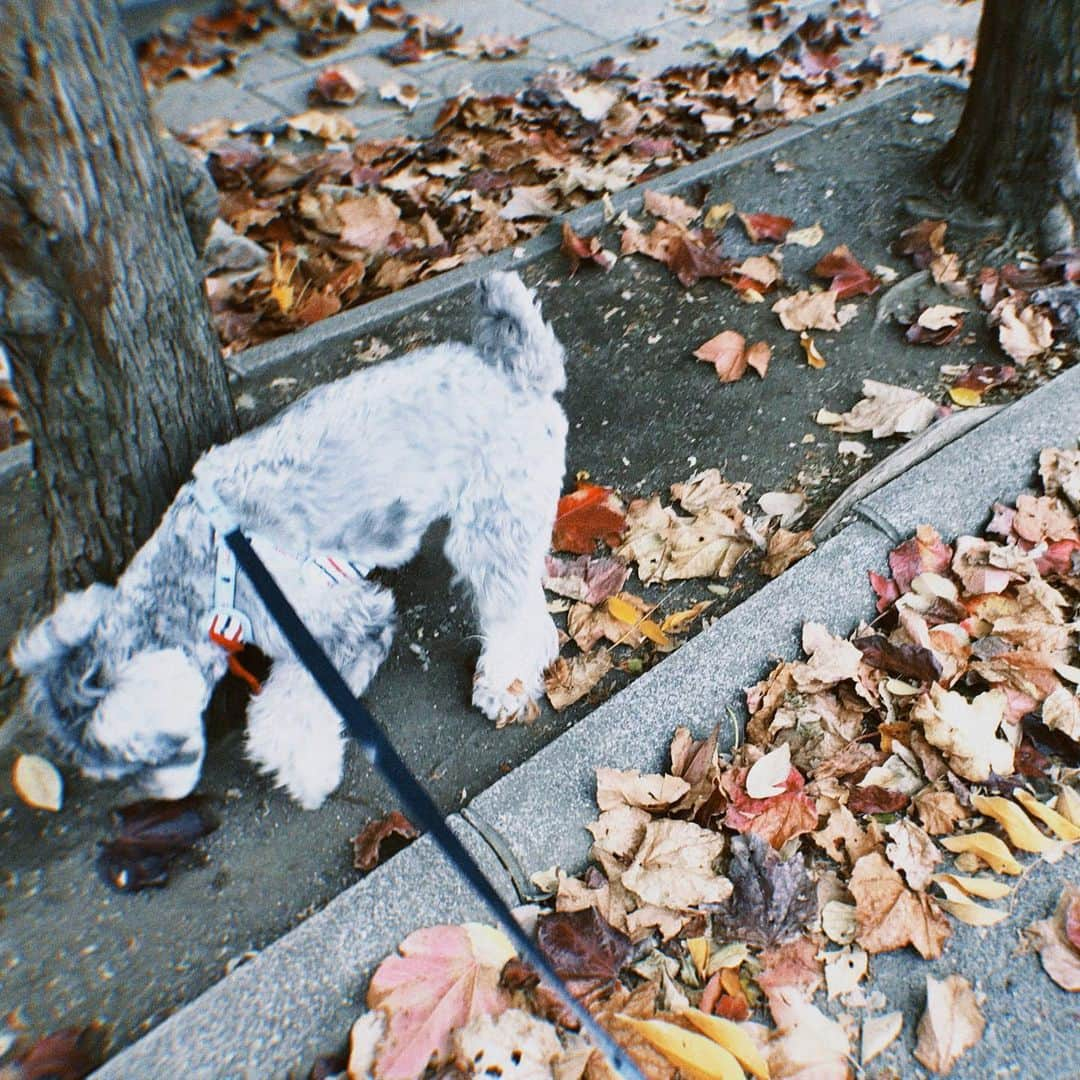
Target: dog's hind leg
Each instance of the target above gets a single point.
(293, 731)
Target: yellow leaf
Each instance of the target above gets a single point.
(986, 888)
(965, 398)
(731, 1037)
(717, 215)
(1020, 828)
(37, 782)
(693, 1054)
(698, 948)
(627, 613)
(1060, 824)
(813, 356)
(678, 621)
(991, 849)
(973, 914)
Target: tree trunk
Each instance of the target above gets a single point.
(102, 308)
(1015, 150)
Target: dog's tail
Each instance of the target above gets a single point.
(509, 331)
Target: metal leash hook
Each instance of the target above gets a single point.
(381, 753)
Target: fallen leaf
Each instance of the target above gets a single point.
(591, 579)
(406, 95)
(966, 732)
(890, 915)
(813, 354)
(69, 1054)
(727, 353)
(529, 201)
(323, 125)
(879, 1033)
(939, 811)
(678, 621)
(491, 47)
(989, 848)
(579, 249)
(888, 410)
(776, 819)
(844, 970)
(37, 782)
(732, 1038)
(694, 1054)
(784, 549)
(809, 237)
(1057, 940)
(807, 1044)
(766, 227)
(585, 516)
(912, 852)
(768, 775)
(773, 898)
(758, 356)
(847, 276)
(1019, 828)
(653, 792)
(444, 977)
(364, 1038)
(585, 950)
(670, 208)
(673, 868)
(951, 1024)
(910, 661)
(338, 86)
(809, 311)
(567, 681)
(1024, 333)
(380, 839)
(150, 835)
(1062, 827)
(592, 101)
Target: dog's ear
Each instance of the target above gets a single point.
(150, 717)
(71, 624)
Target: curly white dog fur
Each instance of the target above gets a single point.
(360, 468)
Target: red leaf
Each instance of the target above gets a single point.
(732, 1008)
(69, 1054)
(847, 275)
(579, 249)
(762, 227)
(585, 516)
(586, 951)
(886, 590)
(691, 260)
(380, 839)
(776, 819)
(911, 661)
(871, 799)
(924, 551)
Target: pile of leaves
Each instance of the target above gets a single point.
(707, 541)
(889, 784)
(349, 220)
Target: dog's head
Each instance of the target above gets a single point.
(115, 715)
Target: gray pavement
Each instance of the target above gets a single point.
(272, 79)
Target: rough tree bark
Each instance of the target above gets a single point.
(101, 302)
(1015, 150)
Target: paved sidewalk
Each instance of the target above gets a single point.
(272, 79)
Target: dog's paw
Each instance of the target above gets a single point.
(507, 704)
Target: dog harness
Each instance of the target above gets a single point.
(229, 628)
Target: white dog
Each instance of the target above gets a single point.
(345, 480)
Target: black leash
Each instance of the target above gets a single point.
(381, 753)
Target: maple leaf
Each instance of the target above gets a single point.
(807, 1045)
(912, 852)
(368, 221)
(584, 949)
(890, 915)
(872, 799)
(772, 900)
(776, 819)
(951, 1024)
(847, 276)
(653, 792)
(708, 490)
(728, 353)
(766, 227)
(443, 978)
(583, 517)
(694, 256)
(1024, 333)
(939, 811)
(380, 839)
